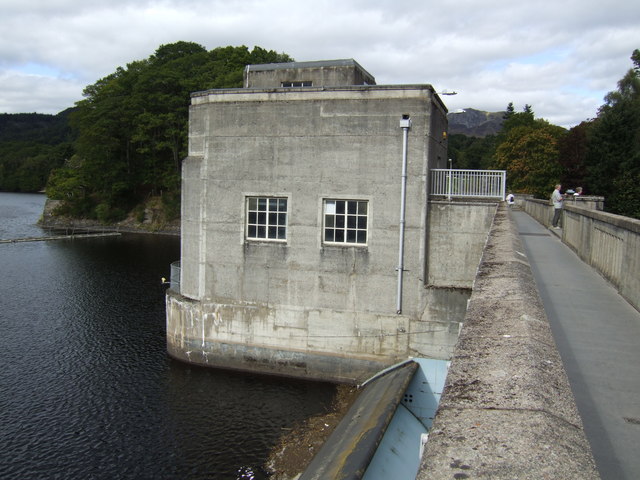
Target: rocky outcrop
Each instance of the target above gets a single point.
(149, 222)
(475, 123)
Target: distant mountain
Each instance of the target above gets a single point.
(475, 123)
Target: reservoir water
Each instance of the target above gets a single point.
(86, 388)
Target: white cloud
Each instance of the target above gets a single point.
(25, 93)
(559, 57)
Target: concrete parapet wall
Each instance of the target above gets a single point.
(507, 410)
(541, 210)
(609, 243)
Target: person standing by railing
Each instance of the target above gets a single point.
(556, 199)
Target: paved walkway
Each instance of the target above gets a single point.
(598, 335)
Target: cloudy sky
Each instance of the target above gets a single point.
(560, 56)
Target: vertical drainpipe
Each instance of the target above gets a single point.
(405, 124)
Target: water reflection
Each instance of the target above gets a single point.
(86, 387)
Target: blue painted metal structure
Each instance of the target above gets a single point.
(383, 433)
(398, 455)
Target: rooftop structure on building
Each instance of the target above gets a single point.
(325, 73)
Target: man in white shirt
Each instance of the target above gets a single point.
(556, 199)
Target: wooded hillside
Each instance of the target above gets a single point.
(123, 144)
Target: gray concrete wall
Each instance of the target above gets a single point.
(322, 74)
(507, 410)
(609, 243)
(305, 146)
(250, 304)
(331, 343)
(457, 234)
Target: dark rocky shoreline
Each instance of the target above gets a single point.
(150, 223)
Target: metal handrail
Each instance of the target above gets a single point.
(468, 183)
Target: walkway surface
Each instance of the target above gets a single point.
(598, 335)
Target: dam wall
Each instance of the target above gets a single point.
(507, 410)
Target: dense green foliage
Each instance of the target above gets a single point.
(527, 148)
(601, 155)
(132, 128)
(612, 160)
(31, 145)
(474, 153)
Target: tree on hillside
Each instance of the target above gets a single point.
(132, 127)
(509, 111)
(31, 145)
(613, 158)
(474, 153)
(573, 150)
(527, 148)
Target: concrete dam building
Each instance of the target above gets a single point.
(310, 246)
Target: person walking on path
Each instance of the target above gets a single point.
(556, 199)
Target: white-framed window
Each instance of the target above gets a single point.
(266, 218)
(306, 83)
(345, 221)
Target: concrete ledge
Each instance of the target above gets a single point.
(507, 410)
(627, 223)
(484, 444)
(273, 361)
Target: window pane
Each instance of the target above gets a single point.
(266, 218)
(330, 207)
(329, 221)
(345, 221)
